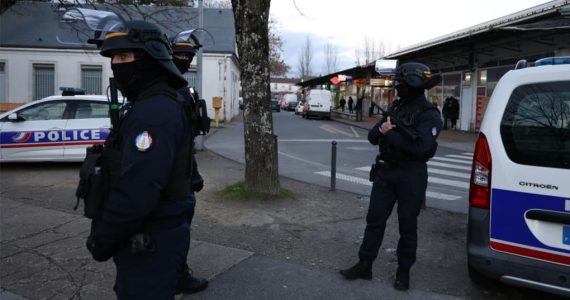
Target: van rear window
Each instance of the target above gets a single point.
(536, 125)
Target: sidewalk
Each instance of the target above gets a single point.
(278, 249)
(456, 139)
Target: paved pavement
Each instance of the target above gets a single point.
(42, 256)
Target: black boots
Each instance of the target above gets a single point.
(402, 281)
(188, 284)
(362, 270)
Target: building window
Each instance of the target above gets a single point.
(43, 80)
(2, 83)
(192, 78)
(91, 79)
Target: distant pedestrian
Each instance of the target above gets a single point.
(350, 104)
(453, 111)
(359, 109)
(342, 103)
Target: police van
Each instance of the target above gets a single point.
(318, 103)
(519, 197)
(56, 128)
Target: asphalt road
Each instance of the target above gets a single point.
(305, 147)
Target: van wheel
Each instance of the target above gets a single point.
(480, 279)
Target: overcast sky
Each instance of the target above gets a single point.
(397, 24)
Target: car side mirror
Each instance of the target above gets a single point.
(15, 118)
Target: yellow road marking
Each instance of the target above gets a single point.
(332, 129)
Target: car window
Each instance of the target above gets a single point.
(91, 110)
(536, 125)
(43, 111)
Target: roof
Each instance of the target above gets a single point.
(35, 24)
(507, 22)
(284, 80)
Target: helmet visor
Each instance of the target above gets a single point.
(81, 26)
(196, 38)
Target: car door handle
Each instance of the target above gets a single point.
(548, 216)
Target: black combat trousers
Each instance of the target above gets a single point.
(407, 186)
(153, 275)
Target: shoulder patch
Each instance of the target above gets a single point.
(434, 131)
(143, 141)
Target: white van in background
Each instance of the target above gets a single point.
(318, 103)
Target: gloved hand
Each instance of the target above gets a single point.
(97, 251)
(197, 184)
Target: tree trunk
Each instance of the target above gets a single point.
(252, 34)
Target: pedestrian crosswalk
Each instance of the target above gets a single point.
(448, 176)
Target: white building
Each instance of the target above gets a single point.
(34, 64)
(282, 86)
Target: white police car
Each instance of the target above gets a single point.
(519, 198)
(56, 128)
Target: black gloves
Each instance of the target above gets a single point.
(97, 252)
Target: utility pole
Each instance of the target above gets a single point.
(199, 71)
(199, 140)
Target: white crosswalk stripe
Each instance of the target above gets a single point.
(451, 170)
(447, 165)
(452, 160)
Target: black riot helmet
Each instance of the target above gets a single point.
(186, 42)
(416, 75)
(145, 36)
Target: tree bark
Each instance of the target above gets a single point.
(252, 34)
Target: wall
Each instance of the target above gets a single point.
(67, 68)
(221, 76)
(219, 79)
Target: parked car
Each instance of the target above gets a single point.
(290, 101)
(56, 128)
(299, 108)
(275, 105)
(519, 196)
(240, 102)
(318, 104)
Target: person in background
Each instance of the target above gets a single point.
(185, 46)
(400, 171)
(342, 103)
(453, 111)
(350, 104)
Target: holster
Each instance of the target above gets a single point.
(91, 187)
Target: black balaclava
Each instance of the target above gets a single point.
(134, 76)
(405, 91)
(182, 64)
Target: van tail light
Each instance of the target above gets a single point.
(480, 184)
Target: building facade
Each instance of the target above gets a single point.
(34, 65)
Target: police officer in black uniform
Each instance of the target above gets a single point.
(407, 139)
(184, 47)
(146, 161)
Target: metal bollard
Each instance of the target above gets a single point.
(333, 166)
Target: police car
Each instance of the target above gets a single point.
(56, 128)
(519, 198)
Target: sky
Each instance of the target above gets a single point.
(397, 24)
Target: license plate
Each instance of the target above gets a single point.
(566, 235)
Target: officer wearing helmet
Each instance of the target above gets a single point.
(406, 137)
(184, 47)
(146, 166)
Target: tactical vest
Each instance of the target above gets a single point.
(408, 116)
(102, 164)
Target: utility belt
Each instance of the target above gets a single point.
(380, 164)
